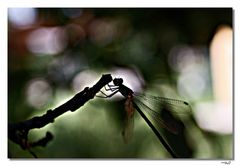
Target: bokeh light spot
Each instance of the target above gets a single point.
(221, 61)
(22, 17)
(84, 79)
(191, 86)
(38, 92)
(47, 41)
(183, 58)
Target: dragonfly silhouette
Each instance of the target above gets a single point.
(152, 109)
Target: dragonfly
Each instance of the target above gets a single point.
(148, 107)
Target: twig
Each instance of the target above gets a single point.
(18, 132)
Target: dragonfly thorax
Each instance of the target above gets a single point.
(125, 91)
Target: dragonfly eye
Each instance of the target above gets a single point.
(118, 81)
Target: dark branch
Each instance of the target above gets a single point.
(42, 142)
(18, 132)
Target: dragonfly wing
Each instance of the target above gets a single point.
(160, 118)
(173, 105)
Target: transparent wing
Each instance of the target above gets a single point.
(159, 111)
(157, 103)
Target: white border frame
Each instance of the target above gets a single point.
(235, 4)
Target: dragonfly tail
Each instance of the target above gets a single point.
(165, 144)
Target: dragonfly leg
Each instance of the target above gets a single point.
(108, 96)
(111, 87)
(104, 95)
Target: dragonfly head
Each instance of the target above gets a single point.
(118, 81)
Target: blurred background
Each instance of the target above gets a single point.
(186, 54)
